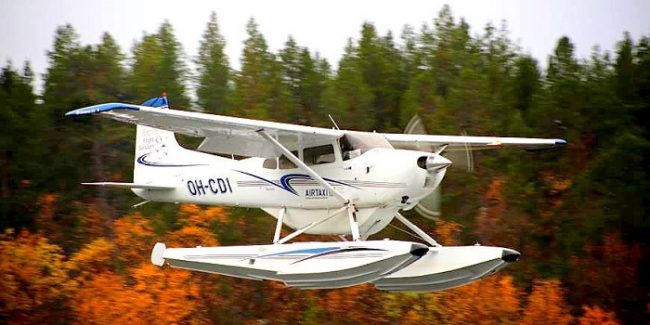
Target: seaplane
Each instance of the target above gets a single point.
(313, 180)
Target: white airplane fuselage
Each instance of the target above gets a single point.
(379, 182)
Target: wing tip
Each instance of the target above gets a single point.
(560, 142)
(101, 108)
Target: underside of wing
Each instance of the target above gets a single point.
(424, 142)
(223, 134)
(158, 187)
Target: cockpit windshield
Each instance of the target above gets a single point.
(354, 144)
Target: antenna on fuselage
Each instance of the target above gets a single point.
(333, 122)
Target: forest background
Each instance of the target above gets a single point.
(579, 215)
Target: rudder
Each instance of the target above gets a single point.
(152, 146)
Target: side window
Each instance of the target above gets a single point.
(347, 150)
(285, 163)
(319, 155)
(271, 163)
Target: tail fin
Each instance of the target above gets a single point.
(153, 146)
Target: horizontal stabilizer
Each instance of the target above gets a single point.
(132, 185)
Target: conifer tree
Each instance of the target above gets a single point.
(260, 92)
(17, 108)
(213, 90)
(158, 66)
(349, 96)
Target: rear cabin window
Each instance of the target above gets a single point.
(311, 156)
(319, 155)
(271, 163)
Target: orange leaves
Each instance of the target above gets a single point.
(94, 222)
(196, 223)
(596, 316)
(107, 300)
(46, 214)
(546, 304)
(134, 237)
(146, 293)
(356, 304)
(493, 299)
(448, 232)
(191, 236)
(608, 271)
(95, 288)
(192, 214)
(157, 296)
(32, 275)
(96, 257)
(172, 293)
(489, 220)
(498, 223)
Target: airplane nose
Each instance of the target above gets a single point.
(510, 255)
(433, 163)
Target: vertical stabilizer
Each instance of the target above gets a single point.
(153, 147)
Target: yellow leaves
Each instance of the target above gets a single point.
(32, 274)
(546, 304)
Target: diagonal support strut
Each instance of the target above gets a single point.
(309, 226)
(417, 230)
(351, 209)
(304, 167)
(278, 226)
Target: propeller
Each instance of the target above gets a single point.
(429, 206)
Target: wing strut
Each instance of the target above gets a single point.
(278, 227)
(417, 230)
(352, 216)
(302, 165)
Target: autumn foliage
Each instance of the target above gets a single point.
(112, 281)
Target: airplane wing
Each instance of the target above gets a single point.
(425, 142)
(223, 134)
(239, 136)
(155, 187)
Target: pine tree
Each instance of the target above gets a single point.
(380, 63)
(214, 72)
(158, 66)
(349, 96)
(260, 92)
(17, 108)
(306, 78)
